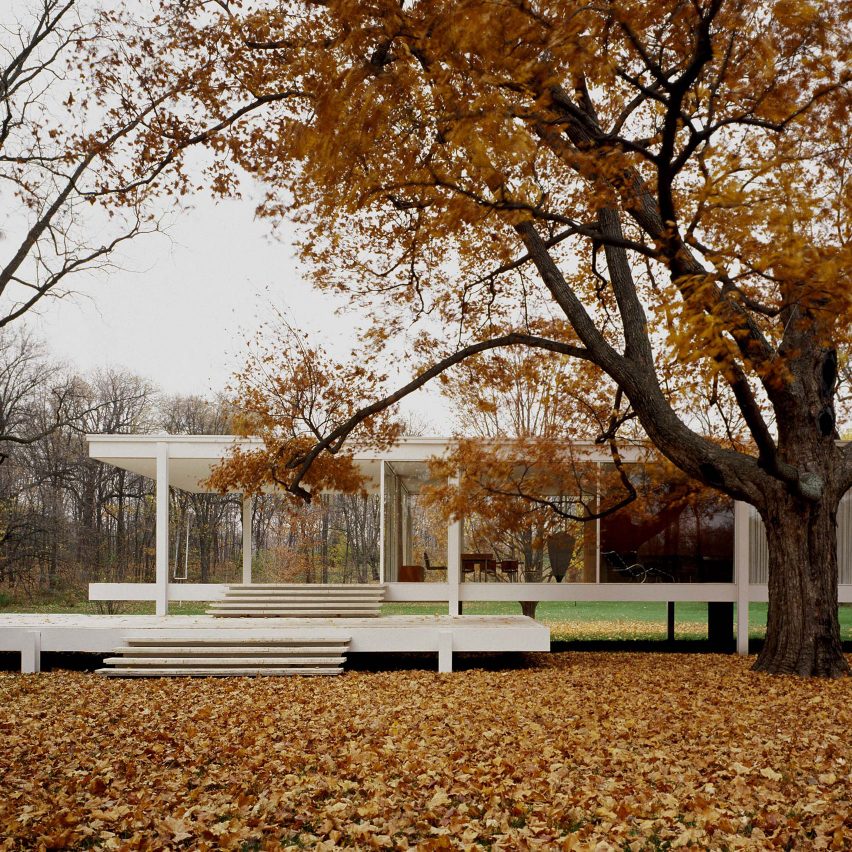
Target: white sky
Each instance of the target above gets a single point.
(180, 308)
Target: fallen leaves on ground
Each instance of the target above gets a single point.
(577, 751)
(621, 629)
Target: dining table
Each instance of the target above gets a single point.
(478, 564)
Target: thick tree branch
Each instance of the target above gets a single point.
(687, 272)
(688, 450)
(600, 350)
(334, 440)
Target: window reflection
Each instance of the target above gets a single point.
(674, 531)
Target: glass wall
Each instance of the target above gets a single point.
(844, 539)
(529, 541)
(674, 532)
(759, 552)
(415, 537)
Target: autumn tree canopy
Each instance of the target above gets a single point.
(519, 471)
(292, 394)
(526, 466)
(669, 179)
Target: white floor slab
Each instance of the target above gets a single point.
(101, 634)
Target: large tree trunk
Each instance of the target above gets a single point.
(802, 631)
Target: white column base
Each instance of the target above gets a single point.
(31, 652)
(445, 651)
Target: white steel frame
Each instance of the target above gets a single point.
(186, 461)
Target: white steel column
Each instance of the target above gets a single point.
(741, 572)
(598, 523)
(455, 537)
(31, 652)
(405, 525)
(162, 536)
(382, 519)
(247, 538)
(445, 651)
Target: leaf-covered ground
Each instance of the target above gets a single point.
(577, 751)
(621, 630)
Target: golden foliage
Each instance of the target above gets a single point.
(577, 751)
(425, 132)
(291, 395)
(523, 392)
(620, 629)
(501, 479)
(414, 140)
(671, 178)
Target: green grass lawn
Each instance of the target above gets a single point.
(99, 607)
(621, 619)
(565, 610)
(567, 619)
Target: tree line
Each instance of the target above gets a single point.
(67, 520)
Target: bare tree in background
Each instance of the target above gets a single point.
(80, 97)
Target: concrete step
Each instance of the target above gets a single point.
(203, 651)
(287, 612)
(226, 652)
(224, 661)
(315, 588)
(198, 671)
(215, 636)
(307, 591)
(299, 601)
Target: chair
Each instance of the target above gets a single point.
(488, 569)
(410, 574)
(429, 565)
(471, 563)
(636, 570)
(509, 568)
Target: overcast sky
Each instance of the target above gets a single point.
(179, 310)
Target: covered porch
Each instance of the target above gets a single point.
(715, 556)
(186, 462)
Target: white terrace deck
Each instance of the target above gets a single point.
(32, 634)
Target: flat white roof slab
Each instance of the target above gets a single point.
(192, 457)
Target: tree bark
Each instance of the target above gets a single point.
(802, 631)
(528, 608)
